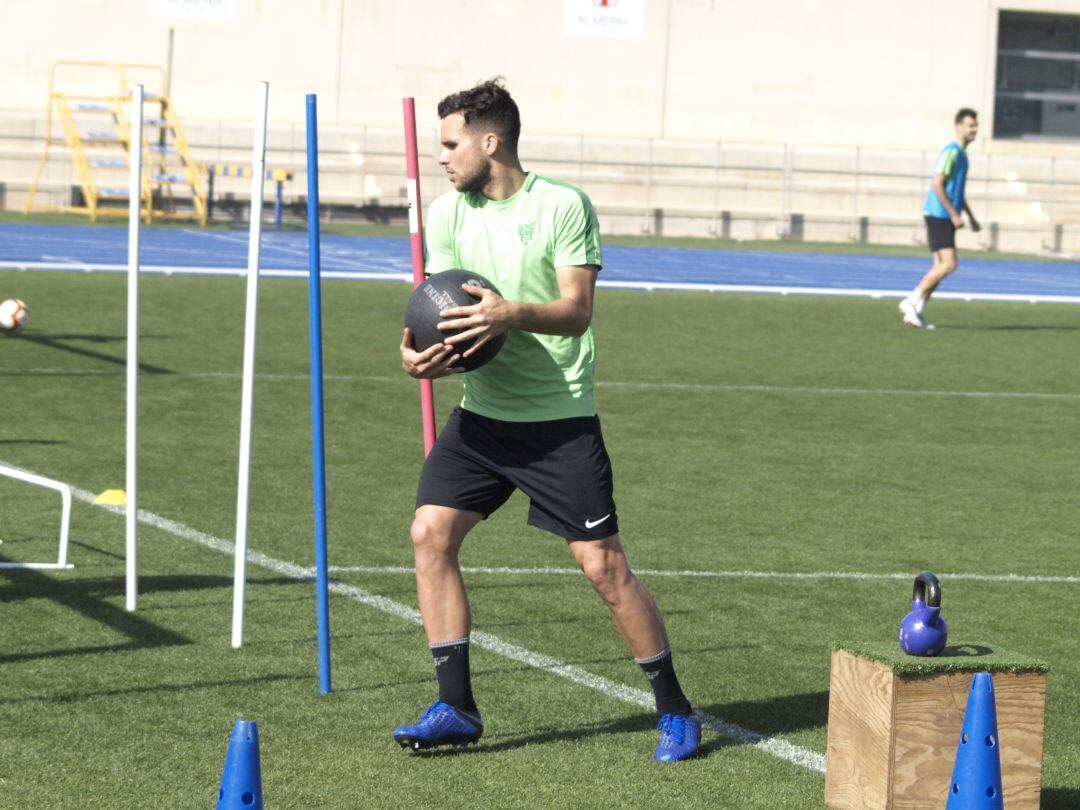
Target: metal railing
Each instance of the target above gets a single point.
(726, 189)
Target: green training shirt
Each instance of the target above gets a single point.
(517, 244)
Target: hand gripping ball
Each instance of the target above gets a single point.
(443, 291)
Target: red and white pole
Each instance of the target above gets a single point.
(416, 235)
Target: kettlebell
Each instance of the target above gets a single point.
(923, 631)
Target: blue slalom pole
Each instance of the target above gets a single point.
(322, 589)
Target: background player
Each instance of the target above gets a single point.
(943, 211)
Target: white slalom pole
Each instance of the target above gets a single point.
(258, 176)
(135, 160)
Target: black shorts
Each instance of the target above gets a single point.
(940, 233)
(562, 465)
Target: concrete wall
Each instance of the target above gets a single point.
(733, 118)
(886, 73)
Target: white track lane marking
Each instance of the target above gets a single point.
(647, 286)
(151, 269)
(691, 574)
(775, 746)
(267, 245)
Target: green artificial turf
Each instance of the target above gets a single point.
(788, 439)
(956, 657)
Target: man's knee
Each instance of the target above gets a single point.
(945, 261)
(438, 531)
(431, 538)
(608, 574)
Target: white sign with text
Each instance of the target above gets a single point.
(615, 19)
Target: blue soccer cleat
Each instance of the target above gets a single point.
(680, 736)
(440, 724)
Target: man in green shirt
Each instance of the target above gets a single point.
(528, 418)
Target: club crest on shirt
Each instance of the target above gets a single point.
(527, 232)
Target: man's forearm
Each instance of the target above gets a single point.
(563, 316)
(939, 189)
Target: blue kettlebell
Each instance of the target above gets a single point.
(923, 631)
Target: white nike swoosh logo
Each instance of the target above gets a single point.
(590, 523)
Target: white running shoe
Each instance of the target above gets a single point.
(911, 316)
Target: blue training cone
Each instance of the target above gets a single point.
(241, 781)
(976, 779)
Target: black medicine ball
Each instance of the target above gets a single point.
(443, 291)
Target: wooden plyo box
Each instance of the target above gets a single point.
(895, 720)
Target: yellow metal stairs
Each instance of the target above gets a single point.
(96, 129)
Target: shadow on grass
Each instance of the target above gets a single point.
(96, 549)
(85, 597)
(73, 697)
(1060, 799)
(224, 602)
(630, 724)
(776, 715)
(481, 673)
(30, 584)
(964, 651)
(768, 717)
(54, 342)
(30, 441)
(95, 599)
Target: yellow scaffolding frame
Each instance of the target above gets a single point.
(158, 180)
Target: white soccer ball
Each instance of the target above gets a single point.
(13, 315)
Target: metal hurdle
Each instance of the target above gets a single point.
(279, 176)
(65, 516)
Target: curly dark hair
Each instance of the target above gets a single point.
(488, 104)
(966, 112)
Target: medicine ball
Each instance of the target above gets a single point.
(443, 291)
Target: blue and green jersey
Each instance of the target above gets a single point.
(953, 163)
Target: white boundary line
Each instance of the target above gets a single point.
(703, 387)
(794, 389)
(775, 746)
(855, 292)
(691, 574)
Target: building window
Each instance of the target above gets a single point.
(1038, 76)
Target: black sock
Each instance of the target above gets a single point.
(661, 674)
(452, 670)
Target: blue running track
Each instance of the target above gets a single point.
(284, 253)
